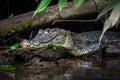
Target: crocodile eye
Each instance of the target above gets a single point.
(47, 31)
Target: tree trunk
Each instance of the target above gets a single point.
(20, 22)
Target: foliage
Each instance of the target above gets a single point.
(61, 4)
(14, 46)
(54, 47)
(113, 19)
(77, 3)
(7, 67)
(44, 3)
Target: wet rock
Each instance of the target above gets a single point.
(51, 55)
(22, 55)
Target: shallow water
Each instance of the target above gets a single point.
(67, 69)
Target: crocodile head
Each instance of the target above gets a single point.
(48, 36)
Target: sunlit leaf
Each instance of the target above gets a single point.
(77, 3)
(112, 20)
(14, 46)
(61, 4)
(7, 67)
(53, 47)
(43, 4)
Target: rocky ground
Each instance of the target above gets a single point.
(36, 64)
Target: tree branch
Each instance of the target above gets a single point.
(20, 22)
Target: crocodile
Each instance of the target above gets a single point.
(77, 44)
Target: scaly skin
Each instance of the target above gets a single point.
(77, 44)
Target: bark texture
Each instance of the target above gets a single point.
(50, 14)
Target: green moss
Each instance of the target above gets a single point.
(12, 28)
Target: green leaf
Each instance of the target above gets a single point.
(7, 67)
(54, 47)
(14, 46)
(77, 3)
(109, 7)
(61, 4)
(43, 4)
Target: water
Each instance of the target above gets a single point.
(67, 69)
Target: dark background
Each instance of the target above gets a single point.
(16, 7)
